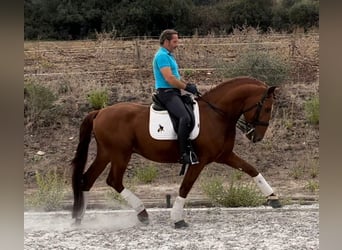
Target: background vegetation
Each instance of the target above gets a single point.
(84, 19)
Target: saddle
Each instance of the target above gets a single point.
(161, 122)
(189, 105)
(162, 125)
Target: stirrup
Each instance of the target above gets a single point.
(193, 158)
(186, 160)
(189, 158)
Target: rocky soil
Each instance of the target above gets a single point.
(289, 228)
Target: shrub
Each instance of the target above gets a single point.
(147, 174)
(50, 192)
(39, 106)
(305, 167)
(235, 195)
(298, 172)
(258, 64)
(98, 99)
(312, 110)
(314, 171)
(312, 186)
(304, 14)
(187, 72)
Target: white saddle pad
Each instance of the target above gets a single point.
(161, 127)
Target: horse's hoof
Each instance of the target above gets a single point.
(143, 217)
(77, 222)
(181, 224)
(274, 202)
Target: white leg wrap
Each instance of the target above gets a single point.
(177, 209)
(86, 196)
(132, 200)
(263, 185)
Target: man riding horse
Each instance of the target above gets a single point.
(168, 85)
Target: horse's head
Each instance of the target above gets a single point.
(256, 115)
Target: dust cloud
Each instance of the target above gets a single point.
(61, 221)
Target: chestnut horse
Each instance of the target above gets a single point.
(123, 129)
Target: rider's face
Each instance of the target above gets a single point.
(173, 43)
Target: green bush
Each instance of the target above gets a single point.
(312, 186)
(50, 192)
(304, 14)
(98, 99)
(312, 110)
(258, 64)
(146, 174)
(39, 105)
(235, 195)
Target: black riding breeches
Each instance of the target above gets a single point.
(171, 98)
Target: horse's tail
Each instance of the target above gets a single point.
(80, 160)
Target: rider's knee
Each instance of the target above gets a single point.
(185, 120)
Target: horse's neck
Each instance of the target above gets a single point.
(231, 97)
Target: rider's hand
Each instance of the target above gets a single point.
(190, 87)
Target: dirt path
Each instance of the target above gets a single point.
(291, 227)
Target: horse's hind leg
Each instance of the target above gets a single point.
(89, 177)
(115, 179)
(236, 162)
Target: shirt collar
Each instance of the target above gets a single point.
(166, 51)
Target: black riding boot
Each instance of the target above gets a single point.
(188, 155)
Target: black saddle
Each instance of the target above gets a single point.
(188, 103)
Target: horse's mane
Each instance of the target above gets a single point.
(237, 81)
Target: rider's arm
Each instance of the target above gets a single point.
(171, 79)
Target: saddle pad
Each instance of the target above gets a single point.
(161, 128)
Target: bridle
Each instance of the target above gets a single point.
(247, 127)
(258, 105)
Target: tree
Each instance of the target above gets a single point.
(304, 14)
(255, 13)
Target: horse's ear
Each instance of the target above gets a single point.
(270, 90)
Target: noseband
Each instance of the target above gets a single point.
(249, 127)
(255, 121)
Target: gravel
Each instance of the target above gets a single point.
(291, 227)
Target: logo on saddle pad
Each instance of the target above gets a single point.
(161, 126)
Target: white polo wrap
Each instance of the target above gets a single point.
(177, 209)
(132, 200)
(263, 185)
(86, 197)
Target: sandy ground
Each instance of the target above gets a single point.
(291, 227)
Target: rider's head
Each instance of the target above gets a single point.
(169, 39)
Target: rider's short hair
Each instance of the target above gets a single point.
(166, 35)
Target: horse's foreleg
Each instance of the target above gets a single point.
(177, 211)
(236, 162)
(114, 180)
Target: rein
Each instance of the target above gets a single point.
(216, 109)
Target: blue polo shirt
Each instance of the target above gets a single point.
(164, 58)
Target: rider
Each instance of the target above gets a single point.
(168, 84)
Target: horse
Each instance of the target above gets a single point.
(122, 129)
